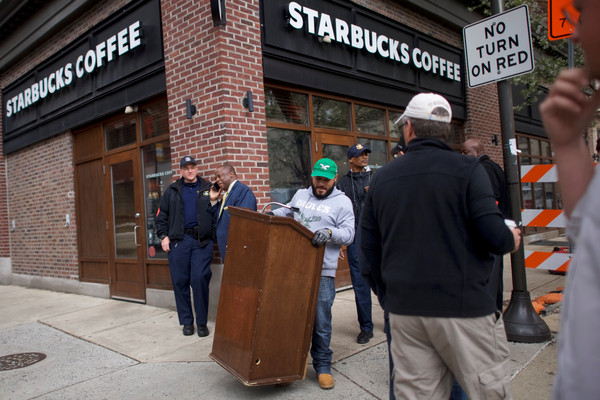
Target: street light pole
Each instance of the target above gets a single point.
(521, 321)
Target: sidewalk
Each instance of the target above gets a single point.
(108, 349)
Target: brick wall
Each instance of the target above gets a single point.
(40, 193)
(214, 67)
(39, 180)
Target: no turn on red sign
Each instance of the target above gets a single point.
(498, 47)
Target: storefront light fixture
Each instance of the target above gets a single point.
(131, 109)
(190, 109)
(325, 39)
(248, 102)
(217, 8)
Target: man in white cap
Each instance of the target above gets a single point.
(429, 224)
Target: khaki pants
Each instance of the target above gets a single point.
(430, 352)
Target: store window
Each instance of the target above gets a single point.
(286, 107)
(302, 125)
(369, 120)
(156, 160)
(289, 162)
(120, 131)
(154, 119)
(332, 114)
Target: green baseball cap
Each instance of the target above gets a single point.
(326, 168)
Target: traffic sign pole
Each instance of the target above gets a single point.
(522, 323)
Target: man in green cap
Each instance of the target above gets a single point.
(326, 211)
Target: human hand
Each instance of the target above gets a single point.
(342, 255)
(321, 237)
(164, 243)
(214, 194)
(568, 111)
(517, 237)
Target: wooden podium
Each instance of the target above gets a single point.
(267, 302)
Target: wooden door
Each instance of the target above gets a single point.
(126, 226)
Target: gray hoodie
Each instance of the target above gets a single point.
(333, 212)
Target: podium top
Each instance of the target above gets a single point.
(271, 219)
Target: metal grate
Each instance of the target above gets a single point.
(20, 360)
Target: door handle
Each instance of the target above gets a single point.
(135, 228)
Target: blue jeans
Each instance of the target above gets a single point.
(190, 266)
(321, 337)
(362, 291)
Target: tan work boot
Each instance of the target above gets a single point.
(326, 381)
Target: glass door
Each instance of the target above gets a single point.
(126, 227)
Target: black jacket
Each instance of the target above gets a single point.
(499, 186)
(429, 225)
(170, 221)
(354, 185)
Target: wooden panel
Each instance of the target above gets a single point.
(88, 143)
(91, 210)
(126, 284)
(267, 302)
(94, 271)
(91, 221)
(158, 276)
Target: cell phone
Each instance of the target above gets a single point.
(216, 186)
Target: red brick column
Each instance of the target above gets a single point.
(214, 66)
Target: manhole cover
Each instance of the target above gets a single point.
(20, 360)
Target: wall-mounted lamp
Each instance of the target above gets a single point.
(190, 110)
(495, 139)
(247, 101)
(131, 109)
(217, 8)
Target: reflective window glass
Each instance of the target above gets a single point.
(378, 156)
(535, 147)
(286, 106)
(369, 120)
(154, 119)
(523, 144)
(394, 130)
(158, 176)
(289, 162)
(120, 132)
(332, 114)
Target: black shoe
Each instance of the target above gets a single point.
(364, 337)
(188, 330)
(202, 331)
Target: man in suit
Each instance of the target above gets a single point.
(233, 193)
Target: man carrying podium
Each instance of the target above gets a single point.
(327, 212)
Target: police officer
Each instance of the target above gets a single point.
(185, 224)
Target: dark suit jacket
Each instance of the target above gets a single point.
(239, 196)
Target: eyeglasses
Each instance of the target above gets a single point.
(189, 169)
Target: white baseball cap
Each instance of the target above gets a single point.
(422, 105)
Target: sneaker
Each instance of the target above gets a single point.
(326, 381)
(202, 330)
(364, 337)
(188, 330)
